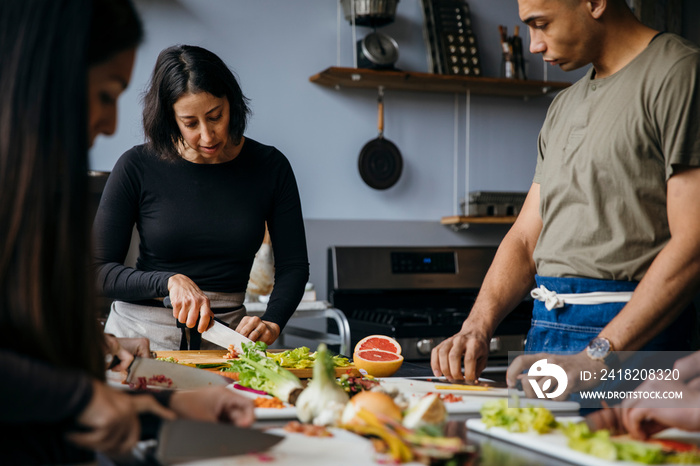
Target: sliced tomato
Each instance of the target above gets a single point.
(673, 445)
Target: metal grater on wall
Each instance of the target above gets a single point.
(449, 38)
(494, 203)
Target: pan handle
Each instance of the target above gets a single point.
(380, 108)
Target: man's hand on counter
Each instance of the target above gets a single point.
(468, 347)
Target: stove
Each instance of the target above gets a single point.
(417, 295)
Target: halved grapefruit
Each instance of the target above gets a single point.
(378, 342)
(377, 363)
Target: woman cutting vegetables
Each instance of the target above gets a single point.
(200, 194)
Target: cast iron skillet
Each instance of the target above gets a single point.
(380, 161)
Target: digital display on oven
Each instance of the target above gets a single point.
(428, 262)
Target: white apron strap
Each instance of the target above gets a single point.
(554, 300)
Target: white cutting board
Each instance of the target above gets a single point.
(471, 401)
(555, 443)
(422, 386)
(343, 449)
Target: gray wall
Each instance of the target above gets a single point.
(273, 46)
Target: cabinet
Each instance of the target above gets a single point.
(356, 78)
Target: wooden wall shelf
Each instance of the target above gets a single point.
(462, 222)
(338, 78)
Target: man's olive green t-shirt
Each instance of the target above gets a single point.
(606, 150)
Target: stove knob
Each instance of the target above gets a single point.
(425, 346)
(495, 344)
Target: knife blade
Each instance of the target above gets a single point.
(220, 334)
(224, 336)
(185, 440)
(150, 372)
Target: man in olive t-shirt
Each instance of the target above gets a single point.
(613, 208)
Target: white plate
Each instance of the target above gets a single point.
(288, 412)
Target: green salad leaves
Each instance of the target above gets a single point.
(303, 358)
(256, 370)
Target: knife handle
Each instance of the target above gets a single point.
(113, 362)
(169, 304)
(196, 325)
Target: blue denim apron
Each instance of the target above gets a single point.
(572, 327)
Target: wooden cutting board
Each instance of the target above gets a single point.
(217, 356)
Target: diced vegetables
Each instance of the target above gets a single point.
(580, 438)
(517, 419)
(263, 402)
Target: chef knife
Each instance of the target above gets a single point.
(224, 336)
(220, 334)
(144, 372)
(480, 385)
(186, 440)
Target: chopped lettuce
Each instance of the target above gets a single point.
(685, 457)
(518, 419)
(580, 438)
(601, 445)
(257, 371)
(303, 358)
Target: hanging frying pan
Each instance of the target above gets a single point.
(380, 161)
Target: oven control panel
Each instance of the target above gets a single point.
(414, 268)
(427, 262)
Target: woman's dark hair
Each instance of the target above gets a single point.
(115, 27)
(183, 69)
(46, 294)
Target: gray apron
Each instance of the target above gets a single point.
(130, 320)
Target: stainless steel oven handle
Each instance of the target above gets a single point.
(425, 346)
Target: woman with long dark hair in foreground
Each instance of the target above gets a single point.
(64, 64)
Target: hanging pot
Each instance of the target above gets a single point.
(374, 13)
(380, 160)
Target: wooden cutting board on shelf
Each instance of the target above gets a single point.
(217, 356)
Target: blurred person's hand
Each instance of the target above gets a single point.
(214, 404)
(110, 422)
